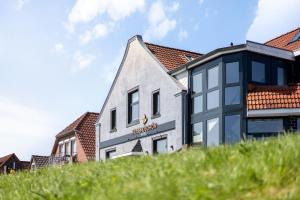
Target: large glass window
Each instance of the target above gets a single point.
(258, 72)
(265, 125)
(232, 129)
(155, 103)
(213, 134)
(281, 76)
(232, 72)
(198, 132)
(133, 106)
(160, 146)
(232, 95)
(197, 93)
(213, 77)
(213, 99)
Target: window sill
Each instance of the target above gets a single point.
(155, 116)
(133, 123)
(113, 130)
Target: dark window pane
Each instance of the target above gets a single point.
(197, 83)
(281, 76)
(213, 99)
(258, 72)
(113, 119)
(232, 95)
(197, 104)
(232, 72)
(110, 154)
(213, 77)
(156, 102)
(160, 146)
(213, 133)
(198, 132)
(298, 124)
(265, 125)
(232, 129)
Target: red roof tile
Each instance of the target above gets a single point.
(284, 41)
(85, 129)
(274, 97)
(171, 58)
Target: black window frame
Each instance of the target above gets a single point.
(130, 121)
(154, 144)
(233, 59)
(108, 152)
(113, 129)
(153, 101)
(198, 94)
(216, 88)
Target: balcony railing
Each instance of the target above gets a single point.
(62, 160)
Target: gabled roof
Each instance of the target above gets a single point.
(285, 41)
(85, 130)
(40, 161)
(171, 58)
(274, 97)
(4, 159)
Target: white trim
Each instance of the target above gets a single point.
(274, 112)
(128, 154)
(297, 52)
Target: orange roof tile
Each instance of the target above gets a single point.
(171, 58)
(284, 41)
(274, 97)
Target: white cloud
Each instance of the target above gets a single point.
(85, 11)
(20, 4)
(182, 35)
(159, 24)
(82, 61)
(274, 18)
(99, 31)
(24, 129)
(59, 48)
(174, 7)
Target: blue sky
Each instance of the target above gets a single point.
(58, 57)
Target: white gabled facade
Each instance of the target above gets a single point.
(141, 70)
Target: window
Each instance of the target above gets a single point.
(133, 106)
(232, 72)
(155, 103)
(198, 132)
(298, 124)
(265, 125)
(113, 120)
(258, 72)
(160, 146)
(232, 129)
(213, 77)
(110, 153)
(189, 57)
(232, 95)
(67, 146)
(213, 99)
(61, 150)
(213, 91)
(295, 38)
(213, 132)
(73, 147)
(197, 93)
(281, 76)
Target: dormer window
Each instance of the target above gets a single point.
(295, 38)
(189, 57)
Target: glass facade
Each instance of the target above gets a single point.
(232, 95)
(213, 132)
(258, 72)
(232, 129)
(198, 132)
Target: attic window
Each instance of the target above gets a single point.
(296, 37)
(189, 57)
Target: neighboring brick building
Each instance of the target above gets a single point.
(76, 142)
(12, 162)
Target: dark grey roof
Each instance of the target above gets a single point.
(138, 147)
(40, 161)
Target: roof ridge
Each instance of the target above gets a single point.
(282, 35)
(173, 48)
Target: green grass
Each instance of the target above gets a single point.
(255, 170)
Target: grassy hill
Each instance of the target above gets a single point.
(255, 170)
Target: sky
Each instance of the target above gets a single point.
(58, 58)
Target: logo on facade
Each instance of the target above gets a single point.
(144, 119)
(145, 129)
